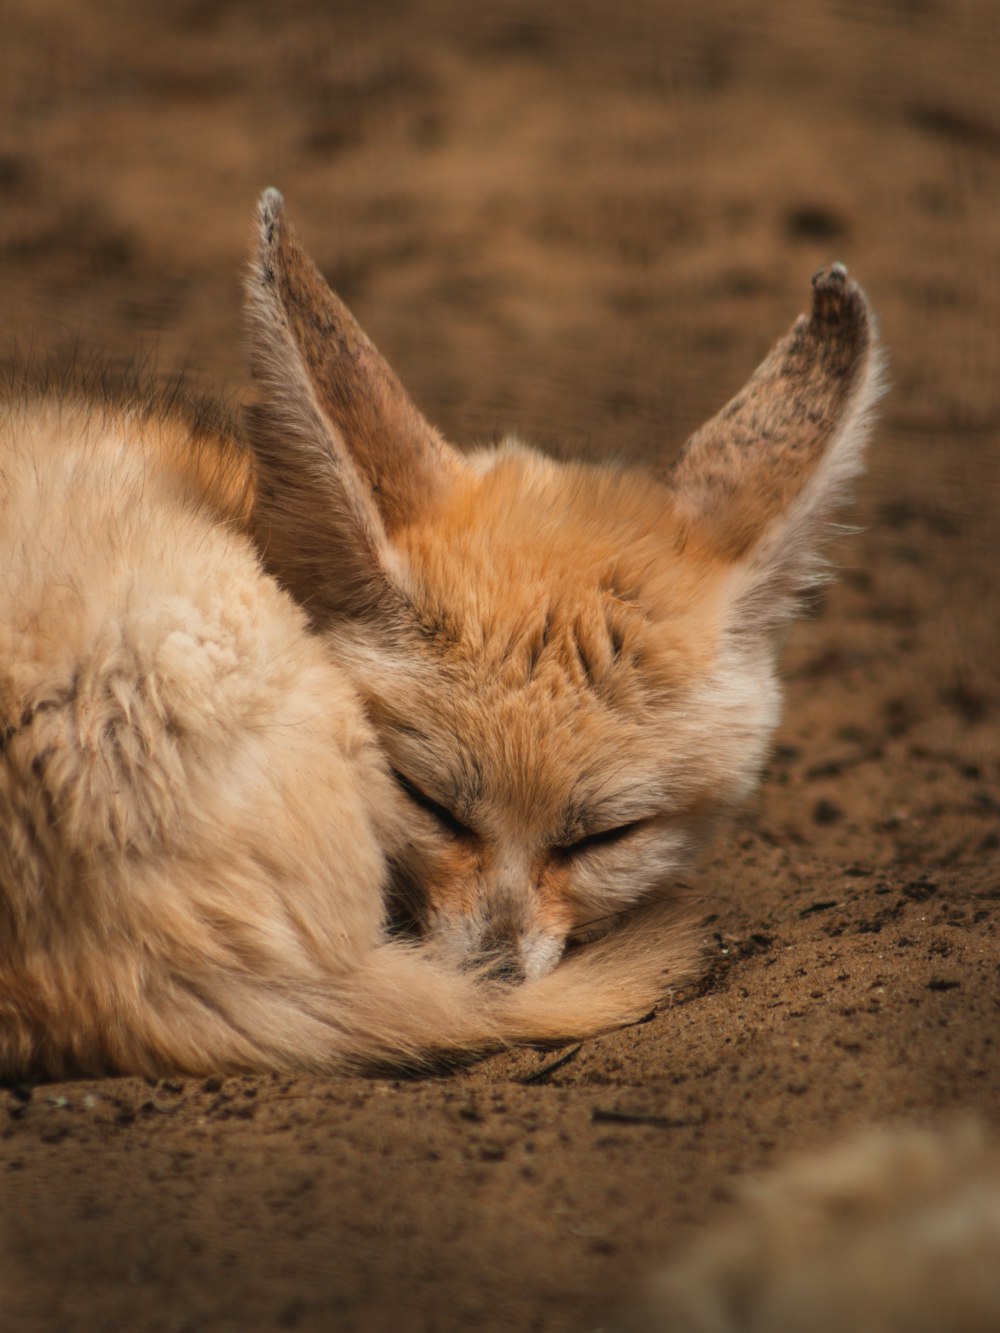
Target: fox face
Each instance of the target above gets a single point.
(559, 715)
(570, 668)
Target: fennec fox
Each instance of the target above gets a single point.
(260, 705)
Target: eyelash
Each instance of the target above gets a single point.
(440, 812)
(606, 838)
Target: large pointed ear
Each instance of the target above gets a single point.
(343, 457)
(757, 484)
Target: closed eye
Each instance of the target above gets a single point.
(605, 838)
(440, 812)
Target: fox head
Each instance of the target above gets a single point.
(571, 668)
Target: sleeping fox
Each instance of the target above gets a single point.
(325, 745)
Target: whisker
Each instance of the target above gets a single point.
(599, 926)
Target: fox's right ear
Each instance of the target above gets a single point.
(343, 457)
(754, 489)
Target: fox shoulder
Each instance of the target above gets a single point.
(181, 437)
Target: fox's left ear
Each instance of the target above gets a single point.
(756, 486)
(343, 456)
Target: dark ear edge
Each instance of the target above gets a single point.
(757, 484)
(342, 454)
(318, 530)
(397, 453)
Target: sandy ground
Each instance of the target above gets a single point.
(584, 222)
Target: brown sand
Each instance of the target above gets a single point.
(584, 222)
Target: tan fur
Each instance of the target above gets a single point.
(493, 702)
(894, 1231)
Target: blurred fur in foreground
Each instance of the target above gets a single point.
(897, 1230)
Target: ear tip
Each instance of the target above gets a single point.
(269, 211)
(837, 299)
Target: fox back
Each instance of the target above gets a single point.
(339, 745)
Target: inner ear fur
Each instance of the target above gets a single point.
(343, 457)
(756, 485)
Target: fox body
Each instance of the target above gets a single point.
(321, 742)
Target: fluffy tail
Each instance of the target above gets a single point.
(396, 1009)
(399, 1009)
(615, 981)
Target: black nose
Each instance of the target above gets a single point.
(498, 956)
(507, 969)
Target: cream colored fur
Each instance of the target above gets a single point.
(309, 749)
(896, 1230)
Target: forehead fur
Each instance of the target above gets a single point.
(565, 653)
(529, 566)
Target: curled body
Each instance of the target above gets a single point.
(324, 744)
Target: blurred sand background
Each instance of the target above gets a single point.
(585, 223)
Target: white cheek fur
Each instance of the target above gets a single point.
(614, 878)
